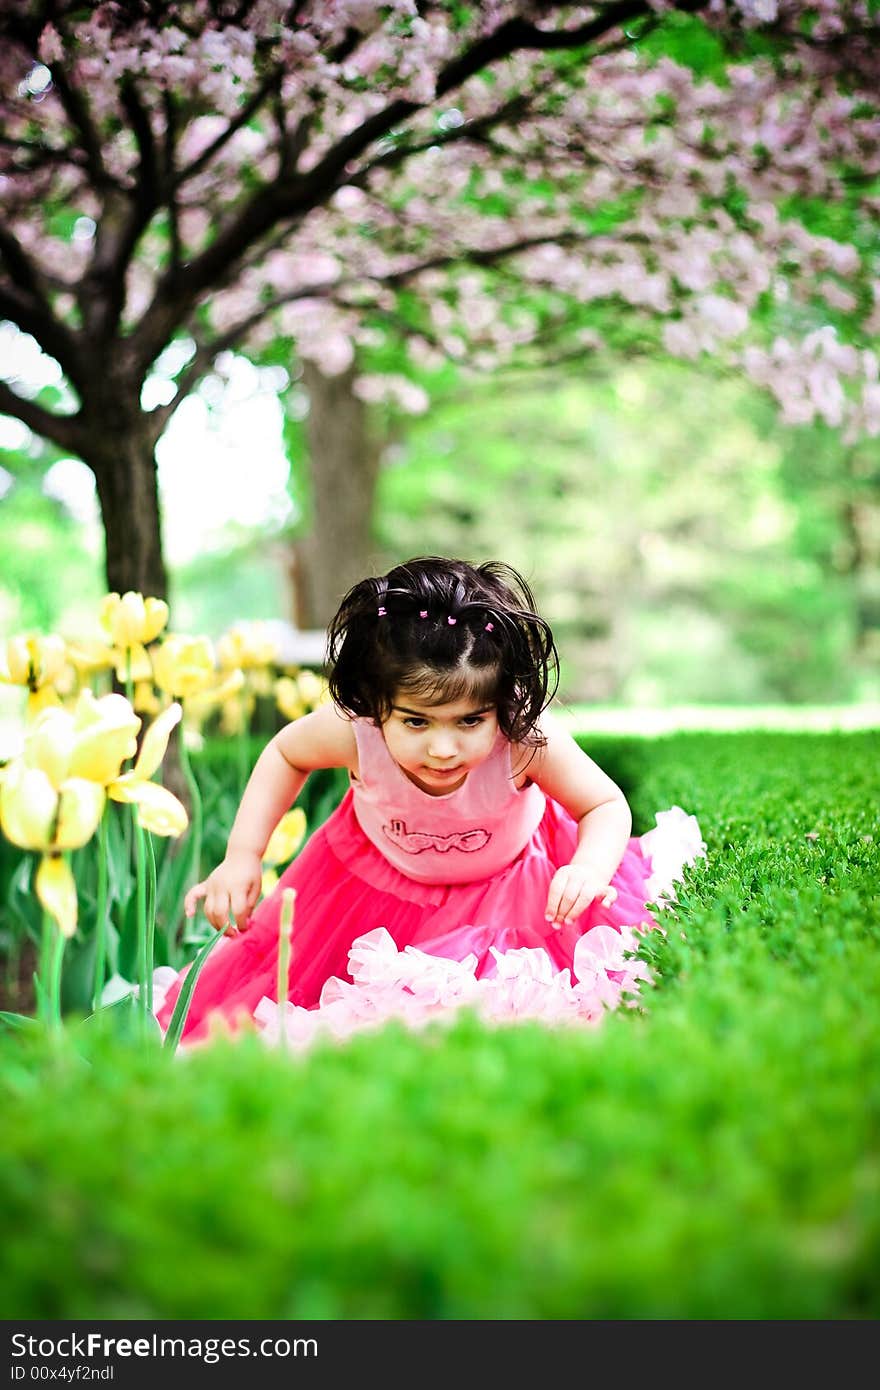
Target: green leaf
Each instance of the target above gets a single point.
(22, 1021)
(123, 1019)
(181, 1008)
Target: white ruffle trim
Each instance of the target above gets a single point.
(417, 988)
(674, 844)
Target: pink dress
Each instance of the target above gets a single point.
(398, 885)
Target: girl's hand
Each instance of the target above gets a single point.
(230, 892)
(572, 889)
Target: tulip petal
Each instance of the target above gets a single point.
(87, 655)
(28, 806)
(158, 809)
(132, 663)
(80, 808)
(38, 700)
(56, 891)
(155, 618)
(106, 735)
(155, 741)
(286, 838)
(183, 666)
(49, 743)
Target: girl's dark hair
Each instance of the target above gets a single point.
(444, 630)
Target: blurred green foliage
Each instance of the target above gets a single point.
(684, 544)
(714, 1153)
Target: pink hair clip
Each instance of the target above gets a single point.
(490, 627)
(452, 621)
(423, 613)
(381, 613)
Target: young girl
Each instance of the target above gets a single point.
(474, 825)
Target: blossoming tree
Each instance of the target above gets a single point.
(483, 179)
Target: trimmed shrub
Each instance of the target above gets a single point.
(712, 1153)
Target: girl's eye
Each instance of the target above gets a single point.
(412, 722)
(471, 721)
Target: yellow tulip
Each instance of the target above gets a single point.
(286, 838)
(36, 662)
(247, 645)
(46, 697)
(48, 744)
(288, 698)
(155, 743)
(38, 816)
(158, 809)
(145, 696)
(236, 712)
(132, 663)
(261, 680)
(92, 742)
(80, 808)
(35, 815)
(33, 660)
(28, 805)
(88, 655)
(201, 704)
(105, 733)
(184, 666)
(56, 891)
(131, 619)
(313, 689)
(295, 695)
(268, 882)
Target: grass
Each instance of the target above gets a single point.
(714, 1154)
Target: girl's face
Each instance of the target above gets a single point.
(436, 746)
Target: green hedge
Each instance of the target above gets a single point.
(711, 1155)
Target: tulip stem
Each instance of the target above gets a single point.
(101, 914)
(141, 885)
(43, 976)
(54, 990)
(196, 807)
(151, 915)
(48, 981)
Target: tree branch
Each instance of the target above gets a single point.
(36, 318)
(63, 430)
(299, 194)
(81, 120)
(270, 83)
(168, 161)
(139, 120)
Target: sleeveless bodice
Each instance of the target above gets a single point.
(468, 834)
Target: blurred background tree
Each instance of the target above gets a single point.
(483, 184)
(687, 545)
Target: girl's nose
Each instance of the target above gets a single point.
(441, 745)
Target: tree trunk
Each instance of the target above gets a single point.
(123, 460)
(124, 463)
(343, 468)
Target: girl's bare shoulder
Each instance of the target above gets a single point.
(322, 738)
(530, 762)
(526, 758)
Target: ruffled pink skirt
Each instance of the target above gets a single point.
(366, 938)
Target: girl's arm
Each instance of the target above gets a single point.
(323, 738)
(564, 771)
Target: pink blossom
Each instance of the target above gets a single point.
(51, 48)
